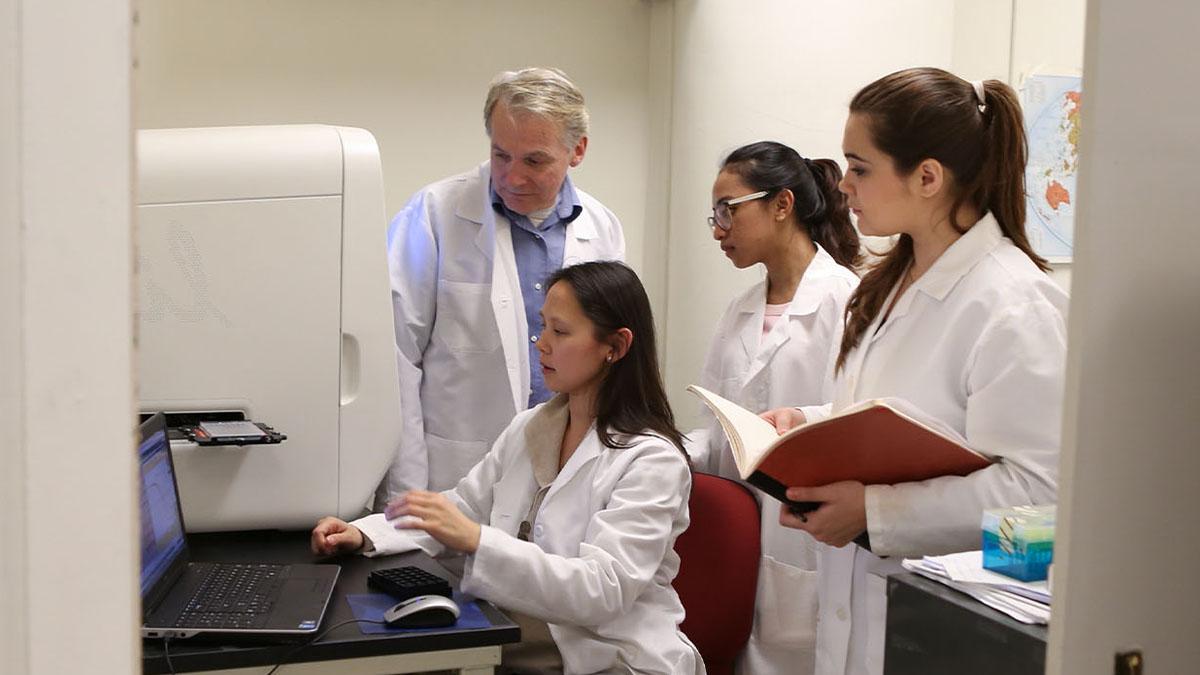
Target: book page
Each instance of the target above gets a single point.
(901, 407)
(870, 442)
(749, 435)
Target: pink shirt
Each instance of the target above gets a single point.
(771, 314)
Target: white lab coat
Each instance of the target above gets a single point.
(601, 560)
(978, 343)
(461, 337)
(788, 366)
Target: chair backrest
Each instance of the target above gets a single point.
(718, 569)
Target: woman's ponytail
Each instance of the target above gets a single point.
(832, 228)
(1000, 186)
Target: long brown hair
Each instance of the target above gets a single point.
(631, 398)
(819, 207)
(928, 113)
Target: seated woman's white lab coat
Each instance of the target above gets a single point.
(599, 566)
(978, 343)
(788, 366)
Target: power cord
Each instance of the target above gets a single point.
(287, 657)
(167, 654)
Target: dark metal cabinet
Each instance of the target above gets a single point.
(932, 630)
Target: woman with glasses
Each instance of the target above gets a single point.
(772, 348)
(959, 319)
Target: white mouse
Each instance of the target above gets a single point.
(423, 611)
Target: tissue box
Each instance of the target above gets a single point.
(1019, 542)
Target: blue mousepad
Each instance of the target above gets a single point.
(371, 606)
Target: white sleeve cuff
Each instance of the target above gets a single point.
(387, 540)
(813, 413)
(477, 564)
(877, 529)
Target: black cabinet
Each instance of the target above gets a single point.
(933, 630)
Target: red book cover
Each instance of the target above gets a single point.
(874, 442)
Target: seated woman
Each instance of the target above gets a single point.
(569, 522)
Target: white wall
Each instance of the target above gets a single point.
(415, 74)
(66, 339)
(1127, 549)
(783, 71)
(14, 604)
(1047, 37)
(983, 39)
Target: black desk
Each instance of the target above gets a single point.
(933, 629)
(473, 651)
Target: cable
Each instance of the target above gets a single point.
(287, 657)
(167, 653)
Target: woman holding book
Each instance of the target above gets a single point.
(569, 523)
(771, 206)
(959, 319)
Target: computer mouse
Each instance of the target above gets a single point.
(422, 611)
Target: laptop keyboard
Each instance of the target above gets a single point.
(233, 596)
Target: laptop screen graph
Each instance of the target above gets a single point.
(162, 536)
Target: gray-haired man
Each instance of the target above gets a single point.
(468, 257)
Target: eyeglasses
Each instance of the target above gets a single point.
(722, 216)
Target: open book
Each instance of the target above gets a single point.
(874, 442)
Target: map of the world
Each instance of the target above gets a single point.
(1052, 108)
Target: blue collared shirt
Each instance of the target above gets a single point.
(539, 253)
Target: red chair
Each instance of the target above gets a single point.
(718, 569)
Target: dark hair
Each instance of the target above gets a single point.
(928, 113)
(819, 207)
(631, 398)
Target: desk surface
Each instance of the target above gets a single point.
(342, 643)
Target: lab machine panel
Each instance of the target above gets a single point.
(264, 294)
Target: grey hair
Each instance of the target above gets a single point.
(546, 92)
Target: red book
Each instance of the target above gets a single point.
(879, 441)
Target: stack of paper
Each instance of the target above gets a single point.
(1027, 602)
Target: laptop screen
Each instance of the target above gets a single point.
(163, 544)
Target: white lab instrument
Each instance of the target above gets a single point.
(264, 296)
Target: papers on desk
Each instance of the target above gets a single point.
(1027, 602)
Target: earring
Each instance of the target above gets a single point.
(608, 359)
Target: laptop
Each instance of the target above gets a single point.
(182, 599)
